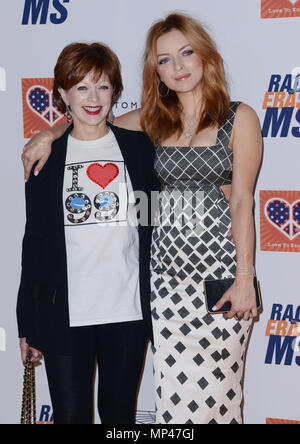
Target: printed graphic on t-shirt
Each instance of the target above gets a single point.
(97, 193)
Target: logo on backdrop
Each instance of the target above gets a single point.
(40, 111)
(46, 415)
(126, 106)
(41, 12)
(273, 421)
(142, 417)
(283, 331)
(282, 106)
(280, 8)
(280, 221)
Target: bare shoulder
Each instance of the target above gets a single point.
(246, 129)
(245, 115)
(130, 121)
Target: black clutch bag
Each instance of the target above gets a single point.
(215, 289)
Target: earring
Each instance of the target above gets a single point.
(111, 117)
(166, 94)
(68, 114)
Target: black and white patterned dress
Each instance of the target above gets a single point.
(198, 358)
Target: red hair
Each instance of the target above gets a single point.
(79, 59)
(161, 112)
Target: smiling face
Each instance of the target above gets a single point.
(90, 102)
(178, 66)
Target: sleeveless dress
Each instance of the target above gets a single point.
(198, 357)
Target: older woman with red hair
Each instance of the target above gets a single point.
(85, 285)
(208, 155)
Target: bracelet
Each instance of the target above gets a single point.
(245, 275)
(245, 271)
(245, 268)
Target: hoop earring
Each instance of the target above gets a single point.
(162, 97)
(68, 114)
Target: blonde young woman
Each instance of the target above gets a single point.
(208, 154)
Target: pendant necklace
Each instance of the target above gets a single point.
(189, 131)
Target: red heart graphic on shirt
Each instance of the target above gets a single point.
(103, 175)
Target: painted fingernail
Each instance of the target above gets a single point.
(215, 308)
(36, 173)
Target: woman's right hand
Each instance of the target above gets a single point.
(38, 149)
(26, 350)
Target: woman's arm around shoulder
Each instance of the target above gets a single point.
(38, 149)
(130, 121)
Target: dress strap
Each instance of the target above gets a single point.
(224, 133)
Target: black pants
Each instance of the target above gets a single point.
(119, 350)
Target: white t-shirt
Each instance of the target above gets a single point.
(101, 234)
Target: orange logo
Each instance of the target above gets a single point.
(280, 221)
(280, 8)
(281, 421)
(40, 110)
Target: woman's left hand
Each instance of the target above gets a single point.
(242, 297)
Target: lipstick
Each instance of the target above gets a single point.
(93, 110)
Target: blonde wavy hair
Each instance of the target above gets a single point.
(161, 112)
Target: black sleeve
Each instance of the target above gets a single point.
(30, 253)
(153, 183)
(153, 180)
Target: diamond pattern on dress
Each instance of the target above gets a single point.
(198, 358)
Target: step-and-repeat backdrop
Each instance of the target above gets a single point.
(259, 41)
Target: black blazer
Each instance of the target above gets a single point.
(42, 307)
